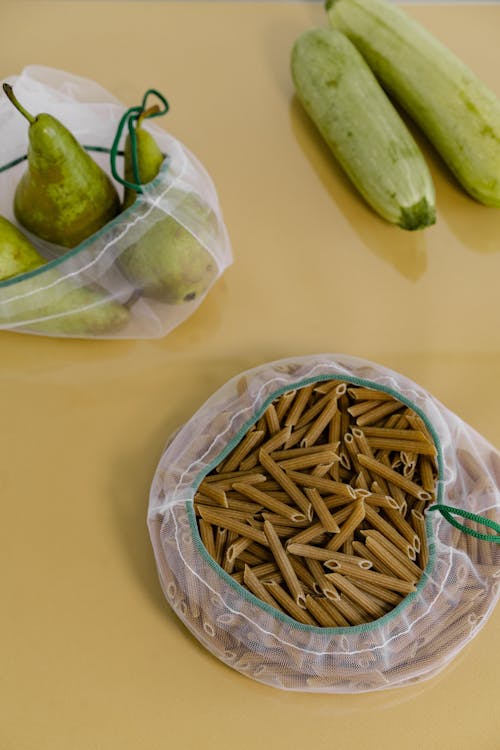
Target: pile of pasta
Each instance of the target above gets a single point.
(319, 509)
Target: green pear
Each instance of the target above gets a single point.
(64, 196)
(150, 158)
(167, 263)
(69, 310)
(17, 254)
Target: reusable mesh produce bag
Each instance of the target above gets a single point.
(452, 601)
(89, 291)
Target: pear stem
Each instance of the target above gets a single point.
(147, 113)
(10, 93)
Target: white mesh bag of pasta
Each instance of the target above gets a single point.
(415, 639)
(148, 268)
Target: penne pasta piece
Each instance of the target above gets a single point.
(389, 597)
(408, 532)
(207, 536)
(398, 444)
(418, 522)
(287, 483)
(267, 501)
(326, 518)
(334, 612)
(220, 543)
(250, 477)
(261, 571)
(394, 551)
(308, 460)
(220, 518)
(298, 405)
(316, 408)
(398, 569)
(348, 527)
(319, 424)
(275, 441)
(382, 410)
(363, 407)
(308, 551)
(284, 403)
(288, 604)
(249, 442)
(356, 595)
(301, 571)
(236, 548)
(427, 474)
(272, 421)
(322, 616)
(322, 484)
(388, 531)
(214, 493)
(321, 584)
(376, 467)
(392, 583)
(283, 563)
(283, 455)
(352, 452)
(350, 613)
(257, 588)
(360, 562)
(369, 394)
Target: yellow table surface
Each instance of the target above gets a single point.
(91, 656)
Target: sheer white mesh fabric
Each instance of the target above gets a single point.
(183, 185)
(413, 642)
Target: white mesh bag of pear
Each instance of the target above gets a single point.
(110, 227)
(324, 524)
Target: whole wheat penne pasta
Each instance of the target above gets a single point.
(288, 604)
(380, 524)
(360, 562)
(321, 484)
(326, 518)
(363, 551)
(394, 433)
(384, 595)
(287, 483)
(349, 525)
(267, 501)
(272, 421)
(221, 518)
(320, 423)
(295, 437)
(249, 442)
(263, 553)
(261, 571)
(284, 403)
(256, 587)
(238, 502)
(368, 394)
(283, 455)
(275, 441)
(334, 428)
(207, 536)
(363, 407)
(418, 522)
(356, 595)
(214, 493)
(283, 563)
(352, 452)
(337, 617)
(277, 520)
(298, 405)
(321, 470)
(308, 551)
(236, 548)
(398, 569)
(408, 532)
(308, 460)
(250, 477)
(220, 543)
(427, 474)
(394, 551)
(325, 386)
(377, 500)
(312, 412)
(392, 583)
(322, 584)
(302, 573)
(321, 615)
(310, 534)
(398, 444)
(349, 611)
(245, 558)
(382, 410)
(378, 468)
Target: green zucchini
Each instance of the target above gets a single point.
(362, 128)
(457, 112)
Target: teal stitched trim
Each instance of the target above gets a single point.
(449, 511)
(86, 243)
(251, 598)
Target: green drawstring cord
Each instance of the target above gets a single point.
(448, 512)
(130, 118)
